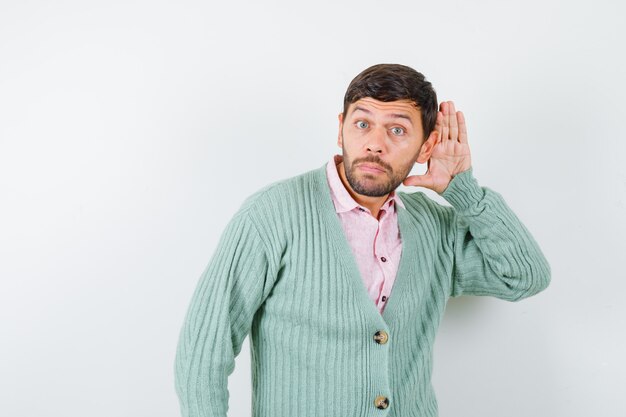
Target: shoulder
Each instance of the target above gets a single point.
(424, 210)
(276, 209)
(278, 193)
(419, 202)
(427, 214)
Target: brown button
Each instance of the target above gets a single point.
(383, 259)
(381, 337)
(381, 402)
(384, 298)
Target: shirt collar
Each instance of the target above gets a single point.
(342, 198)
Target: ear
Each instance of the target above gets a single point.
(428, 147)
(339, 141)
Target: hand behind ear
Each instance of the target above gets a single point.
(450, 153)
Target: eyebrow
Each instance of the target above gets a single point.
(393, 115)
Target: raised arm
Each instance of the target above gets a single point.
(494, 253)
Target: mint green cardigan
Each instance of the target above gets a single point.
(283, 272)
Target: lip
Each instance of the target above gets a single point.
(372, 168)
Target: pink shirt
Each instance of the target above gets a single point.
(376, 244)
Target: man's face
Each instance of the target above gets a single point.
(380, 142)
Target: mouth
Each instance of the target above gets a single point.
(373, 168)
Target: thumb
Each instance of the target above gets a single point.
(418, 180)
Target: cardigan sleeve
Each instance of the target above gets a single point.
(494, 253)
(229, 292)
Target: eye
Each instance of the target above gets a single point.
(361, 124)
(397, 131)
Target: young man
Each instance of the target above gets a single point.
(341, 281)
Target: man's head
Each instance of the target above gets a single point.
(389, 112)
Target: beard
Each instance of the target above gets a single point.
(374, 185)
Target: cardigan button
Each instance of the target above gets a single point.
(381, 337)
(381, 402)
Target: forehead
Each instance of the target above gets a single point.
(406, 107)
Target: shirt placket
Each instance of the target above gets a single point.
(381, 251)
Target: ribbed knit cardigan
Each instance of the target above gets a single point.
(283, 272)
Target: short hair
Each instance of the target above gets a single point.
(391, 82)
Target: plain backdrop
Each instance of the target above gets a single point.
(131, 131)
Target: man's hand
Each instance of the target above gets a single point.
(450, 154)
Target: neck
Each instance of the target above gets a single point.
(372, 203)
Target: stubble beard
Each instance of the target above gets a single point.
(367, 184)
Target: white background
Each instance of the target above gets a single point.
(131, 131)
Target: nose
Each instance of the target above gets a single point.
(376, 140)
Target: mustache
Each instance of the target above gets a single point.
(374, 160)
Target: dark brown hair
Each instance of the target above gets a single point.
(391, 82)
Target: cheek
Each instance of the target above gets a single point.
(409, 157)
(352, 140)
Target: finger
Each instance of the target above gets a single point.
(446, 121)
(462, 127)
(439, 125)
(454, 128)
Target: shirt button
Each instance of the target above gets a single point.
(381, 402)
(361, 208)
(383, 259)
(384, 298)
(381, 337)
